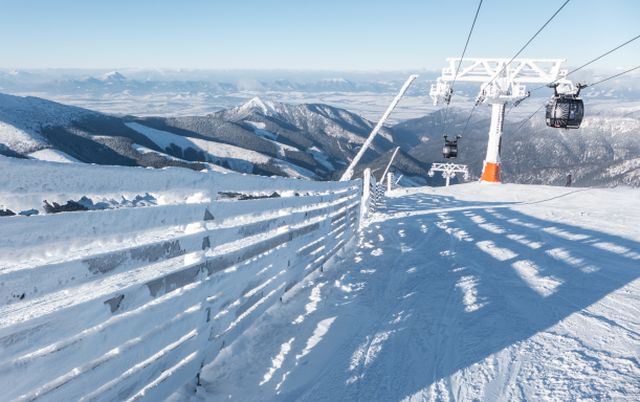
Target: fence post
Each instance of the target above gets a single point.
(389, 181)
(379, 189)
(373, 198)
(366, 196)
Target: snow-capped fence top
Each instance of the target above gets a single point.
(127, 301)
(25, 185)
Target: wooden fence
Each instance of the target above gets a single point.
(129, 302)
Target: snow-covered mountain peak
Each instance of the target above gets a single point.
(334, 80)
(113, 76)
(256, 104)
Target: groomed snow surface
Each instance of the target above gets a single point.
(476, 292)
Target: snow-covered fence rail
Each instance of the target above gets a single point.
(126, 302)
(372, 195)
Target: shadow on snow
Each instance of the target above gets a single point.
(448, 290)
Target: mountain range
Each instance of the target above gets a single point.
(222, 83)
(604, 151)
(316, 141)
(311, 141)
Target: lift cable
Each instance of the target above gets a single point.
(614, 76)
(469, 119)
(529, 118)
(591, 61)
(516, 55)
(534, 36)
(589, 85)
(455, 76)
(577, 69)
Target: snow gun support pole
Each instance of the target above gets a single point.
(501, 83)
(348, 174)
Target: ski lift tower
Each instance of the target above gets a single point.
(449, 171)
(501, 82)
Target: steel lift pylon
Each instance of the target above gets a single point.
(449, 171)
(501, 82)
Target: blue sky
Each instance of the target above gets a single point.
(311, 35)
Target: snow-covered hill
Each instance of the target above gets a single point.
(472, 292)
(319, 137)
(22, 120)
(305, 141)
(600, 153)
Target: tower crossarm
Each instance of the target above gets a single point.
(500, 80)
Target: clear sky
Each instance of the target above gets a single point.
(306, 34)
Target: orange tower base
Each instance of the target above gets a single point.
(491, 172)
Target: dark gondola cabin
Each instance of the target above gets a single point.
(450, 148)
(565, 110)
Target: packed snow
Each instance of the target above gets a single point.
(473, 292)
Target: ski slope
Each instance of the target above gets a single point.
(475, 292)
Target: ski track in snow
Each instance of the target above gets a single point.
(472, 301)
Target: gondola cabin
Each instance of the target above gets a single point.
(450, 148)
(565, 110)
